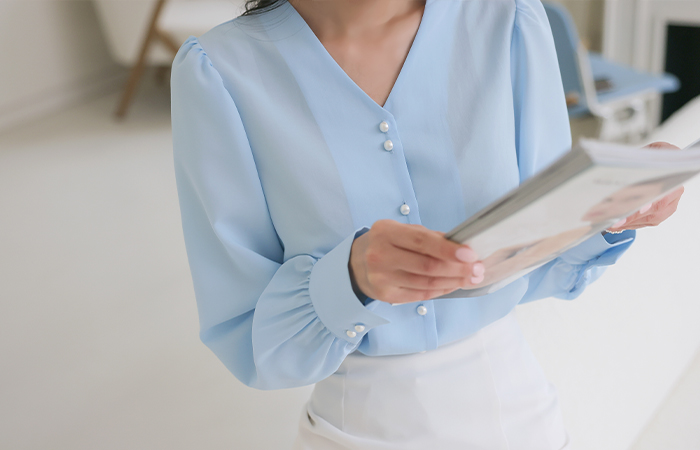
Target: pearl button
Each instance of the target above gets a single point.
(359, 328)
(384, 127)
(405, 209)
(351, 333)
(388, 145)
(422, 310)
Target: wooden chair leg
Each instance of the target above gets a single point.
(161, 75)
(170, 43)
(137, 70)
(167, 40)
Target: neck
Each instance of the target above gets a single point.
(334, 19)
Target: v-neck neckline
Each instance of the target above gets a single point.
(344, 75)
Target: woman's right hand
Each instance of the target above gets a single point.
(401, 263)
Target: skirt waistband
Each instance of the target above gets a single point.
(497, 335)
(486, 391)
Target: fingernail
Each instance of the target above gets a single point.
(466, 254)
(645, 208)
(478, 269)
(477, 279)
(619, 224)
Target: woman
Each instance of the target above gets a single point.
(322, 148)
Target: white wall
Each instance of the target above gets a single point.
(616, 352)
(588, 17)
(618, 34)
(54, 55)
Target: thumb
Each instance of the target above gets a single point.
(662, 144)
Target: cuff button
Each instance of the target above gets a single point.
(351, 333)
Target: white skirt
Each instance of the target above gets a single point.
(486, 391)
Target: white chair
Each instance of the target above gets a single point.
(144, 33)
(618, 96)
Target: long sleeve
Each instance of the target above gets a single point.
(274, 323)
(567, 276)
(543, 134)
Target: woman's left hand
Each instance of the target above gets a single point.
(653, 214)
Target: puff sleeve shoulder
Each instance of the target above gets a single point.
(543, 134)
(274, 323)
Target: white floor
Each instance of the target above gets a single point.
(676, 425)
(98, 323)
(98, 327)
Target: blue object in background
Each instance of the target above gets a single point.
(626, 90)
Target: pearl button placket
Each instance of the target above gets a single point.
(405, 209)
(388, 145)
(384, 127)
(422, 310)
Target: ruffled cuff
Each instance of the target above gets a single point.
(595, 253)
(335, 301)
(596, 246)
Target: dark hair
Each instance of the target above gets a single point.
(260, 6)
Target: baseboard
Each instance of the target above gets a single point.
(59, 98)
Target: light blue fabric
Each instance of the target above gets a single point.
(280, 161)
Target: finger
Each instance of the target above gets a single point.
(408, 295)
(662, 145)
(635, 218)
(676, 193)
(645, 208)
(423, 282)
(418, 263)
(654, 218)
(664, 213)
(668, 198)
(419, 239)
(664, 202)
(654, 207)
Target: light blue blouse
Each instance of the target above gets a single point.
(280, 162)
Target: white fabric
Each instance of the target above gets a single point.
(486, 391)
